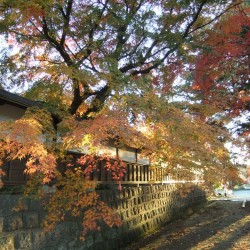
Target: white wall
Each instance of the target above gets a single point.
(127, 154)
(10, 112)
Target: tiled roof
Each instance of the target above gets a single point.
(8, 97)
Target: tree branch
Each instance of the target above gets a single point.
(157, 63)
(88, 50)
(54, 42)
(98, 102)
(66, 17)
(215, 18)
(194, 19)
(160, 61)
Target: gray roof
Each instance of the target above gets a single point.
(14, 99)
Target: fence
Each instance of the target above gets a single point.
(135, 174)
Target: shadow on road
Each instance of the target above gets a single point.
(222, 224)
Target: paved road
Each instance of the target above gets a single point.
(238, 194)
(221, 225)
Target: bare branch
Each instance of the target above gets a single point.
(66, 20)
(194, 19)
(215, 18)
(88, 49)
(56, 44)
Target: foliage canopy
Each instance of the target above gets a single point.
(106, 69)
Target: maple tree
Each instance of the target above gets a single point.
(221, 74)
(105, 70)
(95, 49)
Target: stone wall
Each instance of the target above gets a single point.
(142, 209)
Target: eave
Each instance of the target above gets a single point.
(16, 100)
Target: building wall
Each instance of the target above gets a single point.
(14, 170)
(10, 112)
(142, 209)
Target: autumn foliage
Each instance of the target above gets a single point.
(74, 197)
(33, 138)
(106, 71)
(223, 65)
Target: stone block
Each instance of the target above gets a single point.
(38, 238)
(62, 247)
(97, 237)
(130, 194)
(143, 209)
(63, 232)
(7, 203)
(6, 241)
(1, 224)
(72, 244)
(31, 220)
(116, 194)
(125, 205)
(34, 205)
(140, 201)
(53, 236)
(114, 204)
(113, 244)
(99, 246)
(23, 240)
(89, 241)
(74, 228)
(13, 222)
(126, 238)
(133, 192)
(82, 246)
(124, 193)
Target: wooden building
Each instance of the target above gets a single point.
(12, 107)
(138, 171)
